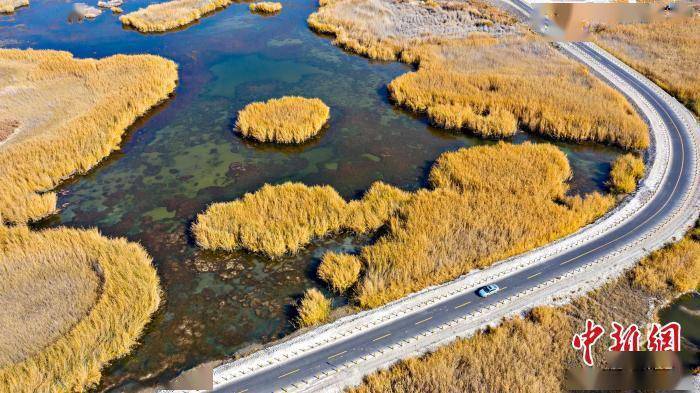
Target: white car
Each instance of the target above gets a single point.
(488, 290)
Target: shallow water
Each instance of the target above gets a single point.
(686, 311)
(184, 156)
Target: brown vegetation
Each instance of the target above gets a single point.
(491, 88)
(70, 301)
(266, 7)
(626, 171)
(314, 308)
(8, 6)
(531, 354)
(71, 114)
(282, 219)
(477, 82)
(666, 51)
(170, 14)
(283, 120)
(489, 203)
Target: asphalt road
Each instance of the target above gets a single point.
(678, 180)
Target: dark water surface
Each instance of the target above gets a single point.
(686, 311)
(184, 156)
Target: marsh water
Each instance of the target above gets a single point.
(185, 155)
(686, 311)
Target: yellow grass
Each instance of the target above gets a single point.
(490, 202)
(275, 220)
(491, 88)
(170, 14)
(671, 270)
(8, 6)
(486, 85)
(314, 308)
(340, 271)
(666, 51)
(626, 171)
(71, 113)
(267, 7)
(84, 301)
(531, 354)
(283, 120)
(282, 219)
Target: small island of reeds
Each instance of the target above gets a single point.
(266, 7)
(9, 6)
(170, 15)
(283, 120)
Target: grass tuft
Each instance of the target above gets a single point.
(283, 120)
(266, 7)
(340, 271)
(626, 171)
(70, 114)
(170, 14)
(314, 308)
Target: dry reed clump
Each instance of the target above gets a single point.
(9, 6)
(266, 7)
(283, 120)
(490, 88)
(382, 29)
(282, 219)
(666, 51)
(340, 271)
(71, 113)
(488, 203)
(84, 301)
(626, 171)
(532, 354)
(170, 14)
(314, 308)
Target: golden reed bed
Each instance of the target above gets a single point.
(72, 300)
(170, 15)
(65, 116)
(666, 51)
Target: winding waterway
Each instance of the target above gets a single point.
(184, 156)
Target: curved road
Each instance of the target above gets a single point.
(679, 180)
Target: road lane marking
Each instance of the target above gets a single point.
(288, 374)
(336, 355)
(423, 320)
(462, 305)
(504, 288)
(384, 336)
(534, 275)
(243, 391)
